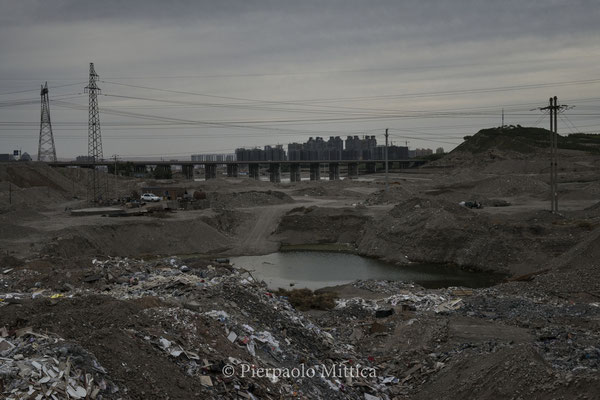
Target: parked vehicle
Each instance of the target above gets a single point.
(149, 197)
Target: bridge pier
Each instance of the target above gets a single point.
(334, 171)
(315, 172)
(295, 173)
(275, 173)
(140, 169)
(371, 167)
(232, 170)
(353, 170)
(188, 171)
(210, 171)
(253, 171)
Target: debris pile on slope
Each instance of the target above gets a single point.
(38, 366)
(218, 333)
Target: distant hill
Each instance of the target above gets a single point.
(525, 140)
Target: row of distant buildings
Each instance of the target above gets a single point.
(335, 148)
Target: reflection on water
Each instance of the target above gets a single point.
(317, 269)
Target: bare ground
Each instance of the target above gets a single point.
(536, 337)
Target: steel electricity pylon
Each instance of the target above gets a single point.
(46, 149)
(94, 137)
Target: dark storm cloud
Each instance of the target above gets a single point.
(456, 19)
(283, 50)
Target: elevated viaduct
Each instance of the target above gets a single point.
(273, 167)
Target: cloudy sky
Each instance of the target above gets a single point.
(186, 77)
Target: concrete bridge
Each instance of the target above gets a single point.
(273, 167)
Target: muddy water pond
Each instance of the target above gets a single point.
(317, 269)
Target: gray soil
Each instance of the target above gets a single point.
(533, 337)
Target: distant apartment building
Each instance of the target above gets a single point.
(360, 149)
(317, 149)
(268, 153)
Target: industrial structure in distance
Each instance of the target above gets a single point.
(318, 149)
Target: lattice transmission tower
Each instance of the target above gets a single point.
(94, 137)
(46, 149)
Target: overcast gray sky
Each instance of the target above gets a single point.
(185, 77)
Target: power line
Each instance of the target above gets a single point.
(35, 90)
(408, 95)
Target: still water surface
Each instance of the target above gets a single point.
(317, 269)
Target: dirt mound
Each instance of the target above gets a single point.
(310, 225)
(576, 273)
(512, 185)
(437, 230)
(226, 221)
(394, 195)
(515, 139)
(27, 175)
(324, 191)
(494, 376)
(140, 238)
(521, 150)
(251, 198)
(525, 140)
(314, 191)
(37, 197)
(488, 190)
(16, 212)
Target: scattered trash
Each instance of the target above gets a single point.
(449, 305)
(210, 317)
(37, 366)
(232, 336)
(471, 204)
(205, 381)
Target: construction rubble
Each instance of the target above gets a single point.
(39, 366)
(210, 330)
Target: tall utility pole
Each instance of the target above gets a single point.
(115, 171)
(503, 117)
(46, 149)
(555, 145)
(554, 109)
(94, 138)
(554, 153)
(387, 184)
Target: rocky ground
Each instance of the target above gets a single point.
(146, 306)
